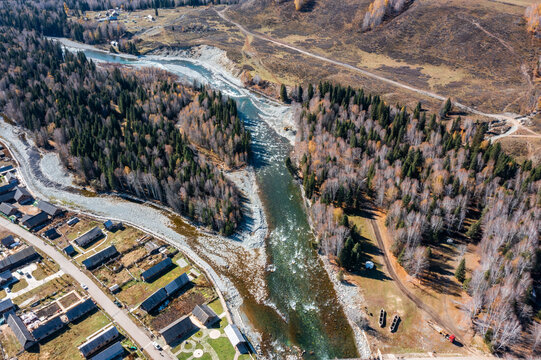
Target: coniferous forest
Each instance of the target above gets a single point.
(126, 129)
(435, 178)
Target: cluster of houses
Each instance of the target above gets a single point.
(29, 330)
(14, 196)
(12, 259)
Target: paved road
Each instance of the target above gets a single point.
(118, 315)
(420, 304)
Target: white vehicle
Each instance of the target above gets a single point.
(84, 286)
(157, 346)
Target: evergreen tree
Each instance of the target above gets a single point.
(460, 273)
(283, 94)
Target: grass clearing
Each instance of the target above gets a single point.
(45, 268)
(223, 347)
(10, 344)
(216, 306)
(50, 290)
(64, 345)
(380, 291)
(19, 285)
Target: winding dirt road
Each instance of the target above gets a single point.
(359, 70)
(418, 302)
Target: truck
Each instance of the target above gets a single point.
(442, 331)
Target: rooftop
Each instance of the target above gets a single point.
(101, 257)
(177, 329)
(156, 270)
(89, 236)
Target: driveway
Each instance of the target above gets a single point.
(118, 315)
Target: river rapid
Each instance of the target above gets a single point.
(280, 293)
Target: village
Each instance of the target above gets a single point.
(44, 310)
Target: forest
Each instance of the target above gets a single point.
(436, 178)
(126, 129)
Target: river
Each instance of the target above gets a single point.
(301, 313)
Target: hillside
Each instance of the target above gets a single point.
(477, 52)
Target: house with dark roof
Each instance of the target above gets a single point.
(109, 225)
(33, 221)
(8, 187)
(69, 250)
(48, 328)
(49, 208)
(112, 352)
(74, 220)
(51, 234)
(154, 300)
(80, 310)
(156, 270)
(235, 337)
(100, 258)
(177, 284)
(8, 197)
(7, 241)
(6, 277)
(23, 196)
(89, 237)
(19, 258)
(177, 330)
(6, 168)
(19, 329)
(99, 341)
(5, 306)
(204, 315)
(8, 209)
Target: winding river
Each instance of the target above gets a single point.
(301, 314)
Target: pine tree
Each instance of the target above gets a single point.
(447, 106)
(460, 272)
(283, 94)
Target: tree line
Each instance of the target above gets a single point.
(125, 129)
(435, 179)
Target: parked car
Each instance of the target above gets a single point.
(117, 303)
(157, 346)
(84, 286)
(28, 275)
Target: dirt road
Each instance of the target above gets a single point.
(118, 315)
(361, 71)
(446, 324)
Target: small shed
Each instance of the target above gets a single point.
(114, 288)
(7, 241)
(74, 220)
(69, 250)
(51, 234)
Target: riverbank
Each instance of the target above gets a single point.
(37, 176)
